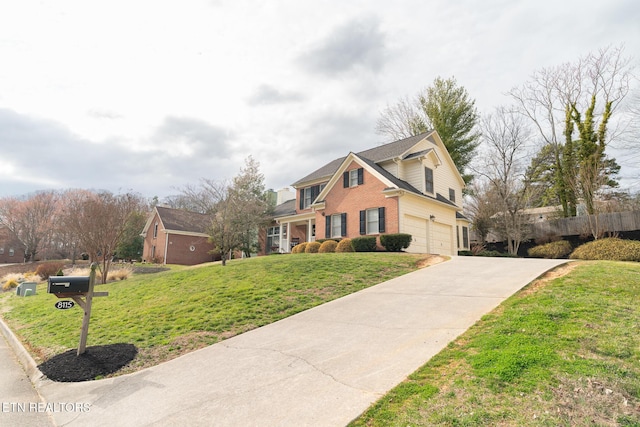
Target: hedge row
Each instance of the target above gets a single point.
(391, 242)
(553, 250)
(613, 249)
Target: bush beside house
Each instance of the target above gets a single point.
(299, 248)
(364, 244)
(395, 242)
(328, 246)
(312, 248)
(344, 245)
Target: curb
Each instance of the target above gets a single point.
(29, 365)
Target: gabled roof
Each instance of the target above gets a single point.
(378, 154)
(180, 221)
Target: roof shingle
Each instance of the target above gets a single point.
(184, 221)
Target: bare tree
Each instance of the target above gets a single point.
(402, 120)
(556, 99)
(30, 220)
(506, 139)
(99, 220)
(237, 208)
(481, 207)
(444, 106)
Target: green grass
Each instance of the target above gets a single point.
(167, 314)
(559, 353)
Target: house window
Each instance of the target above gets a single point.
(309, 194)
(452, 195)
(11, 252)
(353, 178)
(1, 251)
(273, 239)
(307, 197)
(465, 236)
(336, 225)
(428, 176)
(372, 221)
(155, 230)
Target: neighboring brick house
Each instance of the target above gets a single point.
(11, 250)
(176, 236)
(408, 186)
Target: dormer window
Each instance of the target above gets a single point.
(428, 180)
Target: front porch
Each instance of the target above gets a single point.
(290, 231)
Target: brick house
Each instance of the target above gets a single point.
(176, 236)
(11, 250)
(408, 186)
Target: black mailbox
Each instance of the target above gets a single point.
(68, 285)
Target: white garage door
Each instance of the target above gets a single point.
(441, 239)
(417, 227)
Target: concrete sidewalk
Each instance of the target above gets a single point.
(18, 398)
(322, 367)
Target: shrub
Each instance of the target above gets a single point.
(79, 272)
(31, 276)
(364, 244)
(613, 249)
(299, 248)
(395, 242)
(47, 269)
(10, 284)
(312, 248)
(328, 246)
(122, 273)
(495, 254)
(344, 245)
(553, 250)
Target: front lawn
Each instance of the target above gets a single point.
(170, 313)
(563, 352)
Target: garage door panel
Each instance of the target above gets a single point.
(441, 239)
(417, 227)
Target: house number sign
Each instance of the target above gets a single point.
(64, 305)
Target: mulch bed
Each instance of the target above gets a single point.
(96, 361)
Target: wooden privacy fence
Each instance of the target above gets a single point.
(588, 224)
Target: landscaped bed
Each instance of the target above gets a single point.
(152, 318)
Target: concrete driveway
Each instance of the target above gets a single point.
(322, 367)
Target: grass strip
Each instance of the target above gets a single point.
(170, 313)
(564, 352)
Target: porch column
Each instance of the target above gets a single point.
(280, 239)
(309, 228)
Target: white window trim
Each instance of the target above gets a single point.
(336, 222)
(369, 222)
(353, 178)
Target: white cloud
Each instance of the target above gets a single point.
(151, 96)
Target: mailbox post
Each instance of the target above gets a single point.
(75, 288)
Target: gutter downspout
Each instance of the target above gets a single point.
(166, 247)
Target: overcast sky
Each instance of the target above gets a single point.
(152, 95)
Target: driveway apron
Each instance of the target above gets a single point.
(321, 367)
